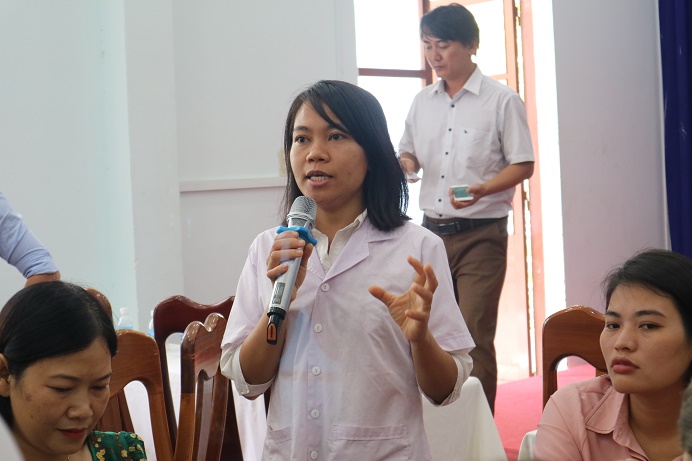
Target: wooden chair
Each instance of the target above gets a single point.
(173, 315)
(203, 392)
(101, 298)
(138, 360)
(117, 412)
(574, 331)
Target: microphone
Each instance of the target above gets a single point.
(301, 219)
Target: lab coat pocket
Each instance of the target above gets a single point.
(389, 443)
(278, 444)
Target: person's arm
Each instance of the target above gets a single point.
(230, 368)
(436, 370)
(259, 360)
(42, 278)
(409, 163)
(20, 248)
(464, 364)
(509, 177)
(516, 148)
(561, 431)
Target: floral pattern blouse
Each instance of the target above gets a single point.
(116, 446)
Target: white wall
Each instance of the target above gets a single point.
(609, 106)
(64, 160)
(238, 67)
(151, 90)
(141, 140)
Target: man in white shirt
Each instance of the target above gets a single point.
(467, 129)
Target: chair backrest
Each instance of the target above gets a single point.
(138, 360)
(203, 392)
(101, 298)
(574, 331)
(173, 315)
(117, 413)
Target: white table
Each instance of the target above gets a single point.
(465, 429)
(462, 431)
(526, 447)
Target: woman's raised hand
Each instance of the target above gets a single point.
(411, 309)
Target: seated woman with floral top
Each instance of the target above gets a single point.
(56, 346)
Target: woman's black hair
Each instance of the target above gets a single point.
(50, 319)
(385, 192)
(665, 273)
(451, 22)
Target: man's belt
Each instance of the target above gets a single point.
(455, 225)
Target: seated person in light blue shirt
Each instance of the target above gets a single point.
(19, 247)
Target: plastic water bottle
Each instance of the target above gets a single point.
(125, 322)
(150, 329)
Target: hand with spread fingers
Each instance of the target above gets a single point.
(411, 309)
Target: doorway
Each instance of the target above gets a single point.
(392, 67)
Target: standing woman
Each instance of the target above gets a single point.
(647, 343)
(366, 331)
(56, 346)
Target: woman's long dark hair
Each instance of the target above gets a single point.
(46, 320)
(385, 192)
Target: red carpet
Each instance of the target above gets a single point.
(518, 405)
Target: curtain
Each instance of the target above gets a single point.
(675, 18)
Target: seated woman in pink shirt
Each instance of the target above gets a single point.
(647, 343)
